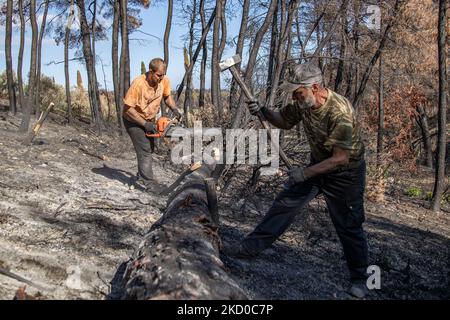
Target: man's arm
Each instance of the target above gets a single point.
(276, 119)
(170, 102)
(339, 158)
(132, 115)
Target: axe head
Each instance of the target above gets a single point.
(227, 63)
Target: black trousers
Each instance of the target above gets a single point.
(144, 147)
(344, 195)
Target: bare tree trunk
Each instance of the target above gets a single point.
(380, 113)
(223, 41)
(215, 72)
(66, 61)
(342, 54)
(439, 183)
(252, 59)
(234, 89)
(124, 71)
(32, 81)
(20, 58)
(167, 30)
(282, 52)
(115, 65)
(39, 60)
(106, 90)
(90, 68)
(94, 18)
(201, 98)
(223, 30)
(352, 83)
(94, 58)
(248, 74)
(422, 120)
(375, 57)
(195, 55)
(8, 55)
(274, 38)
(188, 93)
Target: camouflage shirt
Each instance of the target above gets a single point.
(333, 124)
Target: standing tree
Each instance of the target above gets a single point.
(167, 31)
(9, 67)
(380, 112)
(124, 71)
(239, 49)
(215, 59)
(143, 68)
(20, 57)
(32, 79)
(188, 60)
(439, 183)
(66, 61)
(90, 68)
(252, 61)
(39, 58)
(201, 98)
(115, 64)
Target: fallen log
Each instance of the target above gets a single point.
(179, 257)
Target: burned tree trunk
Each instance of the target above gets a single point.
(8, 55)
(167, 31)
(90, 67)
(179, 257)
(239, 49)
(20, 57)
(32, 75)
(201, 98)
(422, 120)
(215, 59)
(37, 104)
(439, 182)
(66, 61)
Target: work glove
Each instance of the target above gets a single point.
(253, 107)
(177, 114)
(150, 127)
(296, 175)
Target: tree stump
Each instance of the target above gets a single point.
(179, 257)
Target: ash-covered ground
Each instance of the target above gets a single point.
(69, 217)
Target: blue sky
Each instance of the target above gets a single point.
(153, 22)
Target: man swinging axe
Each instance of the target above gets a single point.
(336, 170)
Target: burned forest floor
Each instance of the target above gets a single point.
(69, 216)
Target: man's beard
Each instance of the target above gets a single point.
(310, 101)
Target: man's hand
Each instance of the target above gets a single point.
(177, 114)
(253, 107)
(297, 175)
(150, 127)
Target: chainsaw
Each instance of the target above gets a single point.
(163, 124)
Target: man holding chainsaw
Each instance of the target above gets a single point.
(141, 105)
(337, 170)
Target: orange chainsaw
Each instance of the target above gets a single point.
(163, 124)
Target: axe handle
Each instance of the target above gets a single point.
(237, 76)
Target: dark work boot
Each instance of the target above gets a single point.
(239, 252)
(154, 187)
(358, 289)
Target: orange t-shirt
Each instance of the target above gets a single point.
(145, 99)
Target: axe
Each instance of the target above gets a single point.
(230, 64)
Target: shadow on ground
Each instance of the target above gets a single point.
(308, 263)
